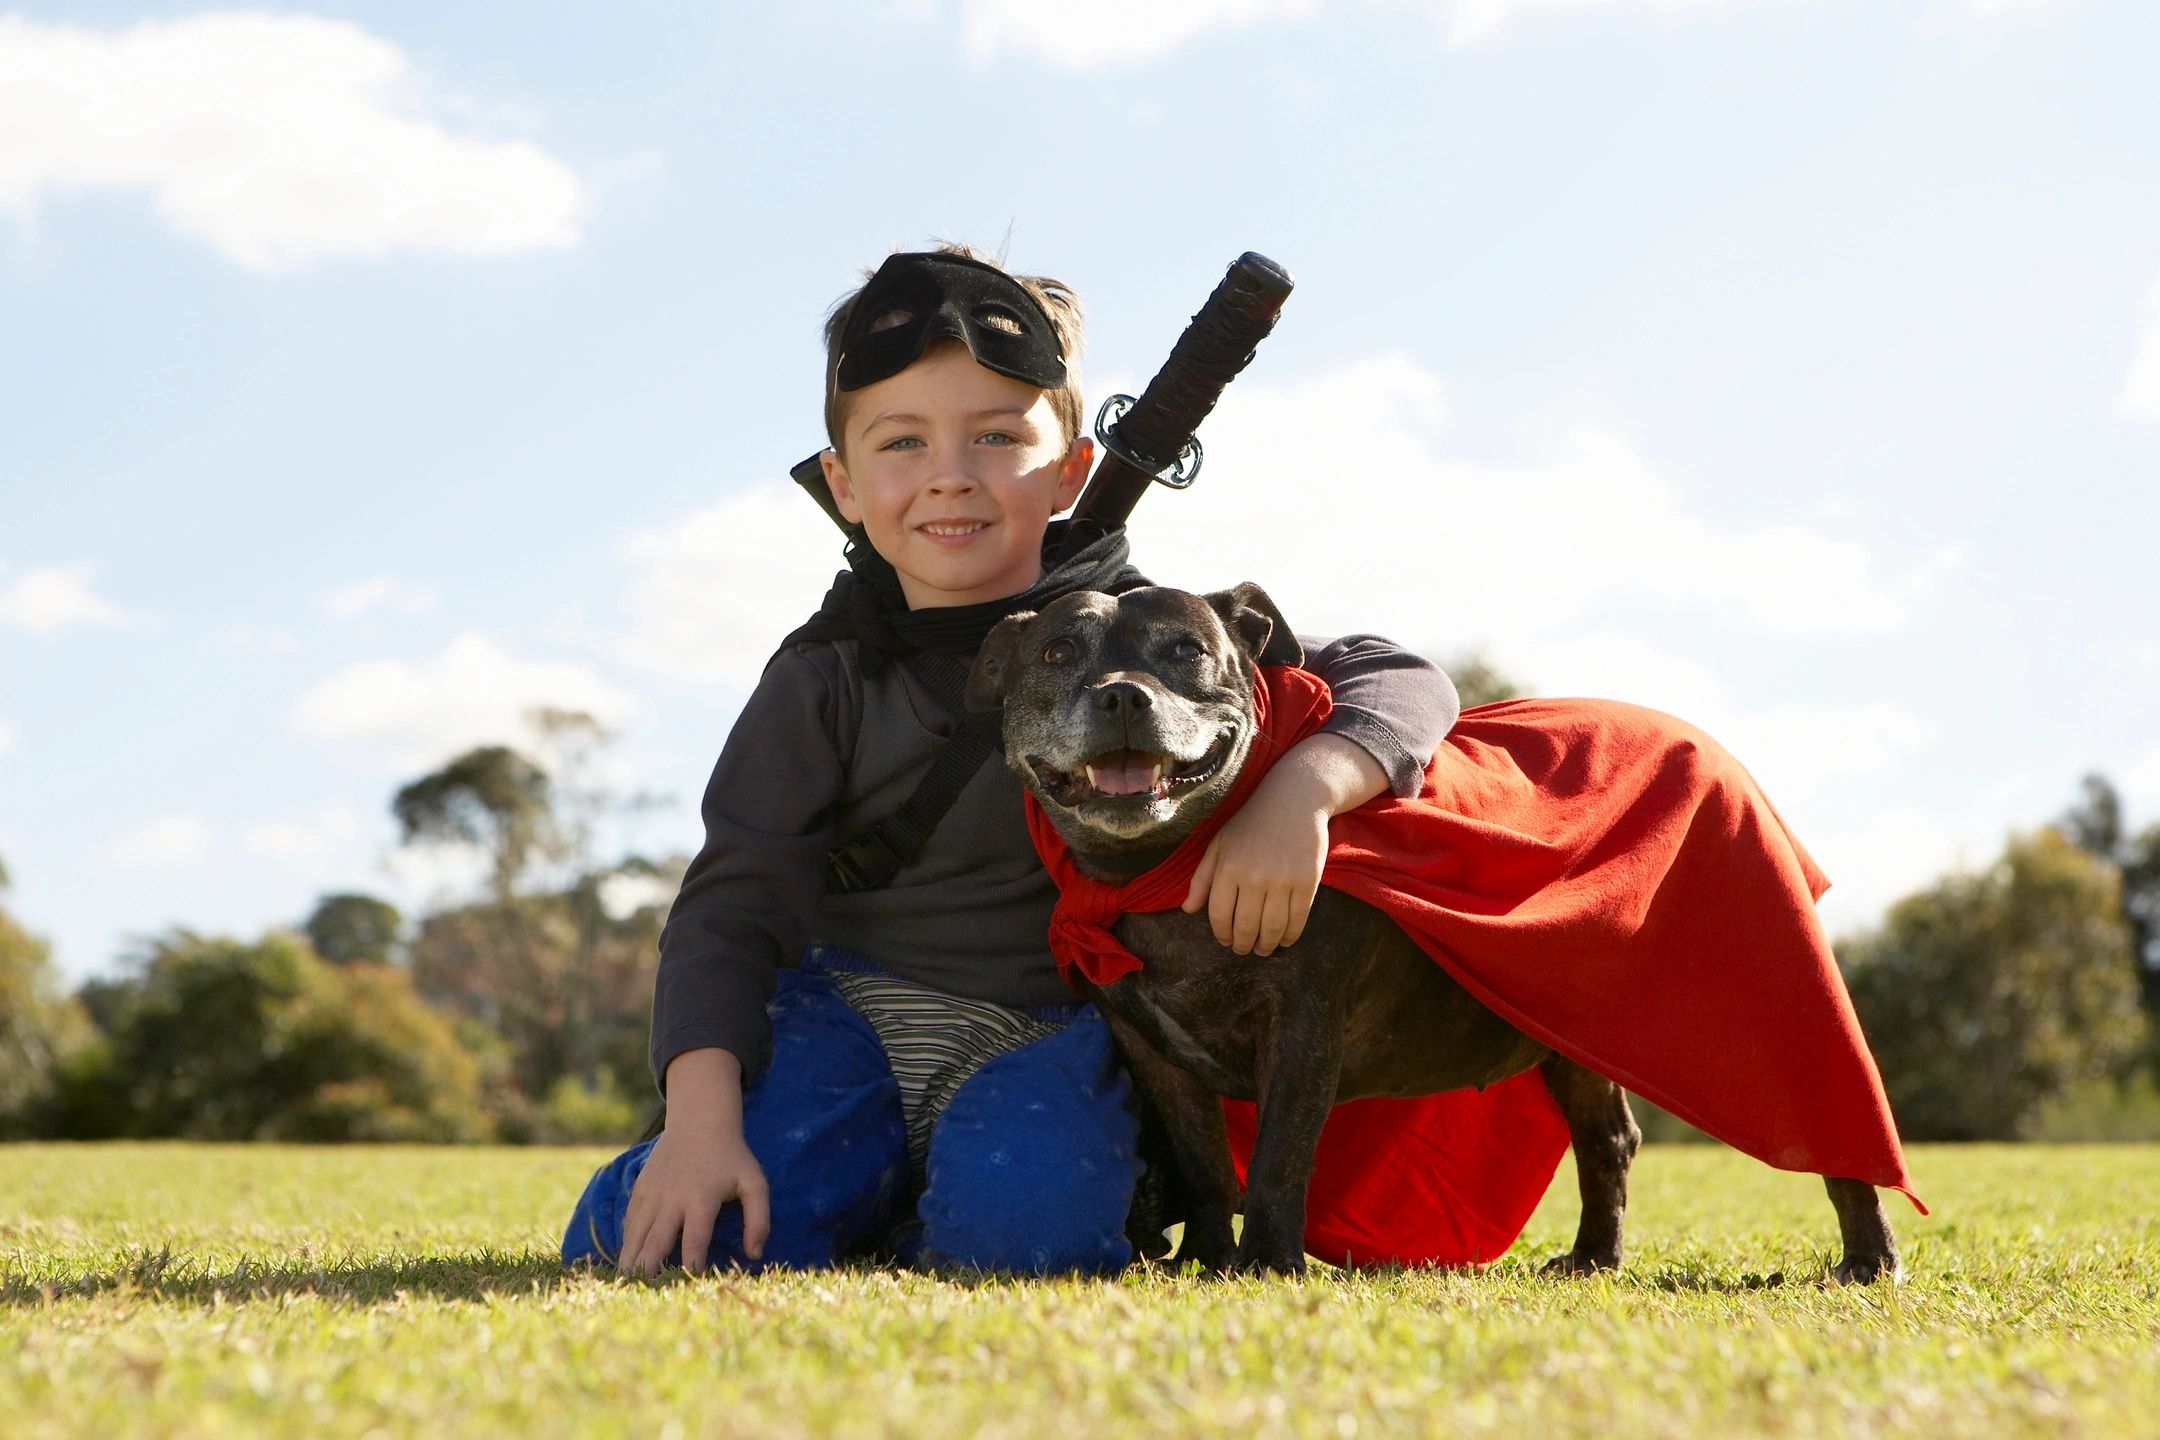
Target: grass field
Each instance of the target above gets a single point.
(179, 1289)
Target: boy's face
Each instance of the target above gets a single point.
(954, 472)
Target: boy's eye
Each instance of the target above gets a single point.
(1060, 652)
(1000, 437)
(901, 442)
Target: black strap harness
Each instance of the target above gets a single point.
(870, 859)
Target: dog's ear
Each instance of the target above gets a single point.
(1255, 623)
(986, 681)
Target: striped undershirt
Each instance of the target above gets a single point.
(933, 1041)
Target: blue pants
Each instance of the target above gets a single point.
(1031, 1166)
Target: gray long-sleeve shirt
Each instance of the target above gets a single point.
(820, 751)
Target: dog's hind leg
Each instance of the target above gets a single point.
(1870, 1248)
(1192, 1122)
(1605, 1139)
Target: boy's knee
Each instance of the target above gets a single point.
(824, 1123)
(1032, 1165)
(595, 1231)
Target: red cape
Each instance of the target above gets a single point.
(1611, 882)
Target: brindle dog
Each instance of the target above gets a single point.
(1129, 718)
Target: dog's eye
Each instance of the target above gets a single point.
(1186, 649)
(1060, 652)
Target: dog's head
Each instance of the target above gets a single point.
(1129, 716)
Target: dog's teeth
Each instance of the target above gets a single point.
(1091, 777)
(1155, 774)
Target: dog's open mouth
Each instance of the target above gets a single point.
(1129, 774)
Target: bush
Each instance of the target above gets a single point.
(41, 1033)
(214, 1039)
(1993, 994)
(2100, 1111)
(593, 1110)
(352, 929)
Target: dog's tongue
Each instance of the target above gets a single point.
(1124, 772)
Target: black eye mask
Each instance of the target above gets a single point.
(917, 297)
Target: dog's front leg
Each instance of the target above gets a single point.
(1299, 1070)
(1192, 1118)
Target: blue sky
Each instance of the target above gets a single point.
(369, 374)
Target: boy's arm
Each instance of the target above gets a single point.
(1395, 706)
(749, 899)
(747, 905)
(1392, 710)
(699, 1163)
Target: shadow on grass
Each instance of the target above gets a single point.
(1695, 1282)
(163, 1275)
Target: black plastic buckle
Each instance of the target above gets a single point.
(863, 863)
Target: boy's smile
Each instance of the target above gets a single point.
(954, 472)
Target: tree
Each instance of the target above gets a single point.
(350, 929)
(2140, 865)
(1992, 992)
(1478, 681)
(40, 1031)
(492, 799)
(540, 961)
(218, 1039)
(2095, 822)
(572, 998)
(2095, 825)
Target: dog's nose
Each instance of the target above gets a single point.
(1121, 697)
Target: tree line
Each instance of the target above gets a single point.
(518, 1014)
(2017, 1000)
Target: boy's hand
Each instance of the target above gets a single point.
(699, 1163)
(1258, 875)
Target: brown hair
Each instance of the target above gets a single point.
(1067, 321)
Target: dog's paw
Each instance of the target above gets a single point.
(1293, 1264)
(1866, 1269)
(1211, 1260)
(1577, 1262)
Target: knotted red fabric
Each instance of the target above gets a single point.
(1612, 883)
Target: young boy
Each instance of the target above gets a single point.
(830, 1053)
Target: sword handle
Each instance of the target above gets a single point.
(1217, 345)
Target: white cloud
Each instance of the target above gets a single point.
(303, 844)
(1475, 22)
(714, 591)
(1083, 34)
(170, 841)
(381, 591)
(1521, 551)
(471, 694)
(277, 140)
(2141, 391)
(1087, 34)
(55, 598)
